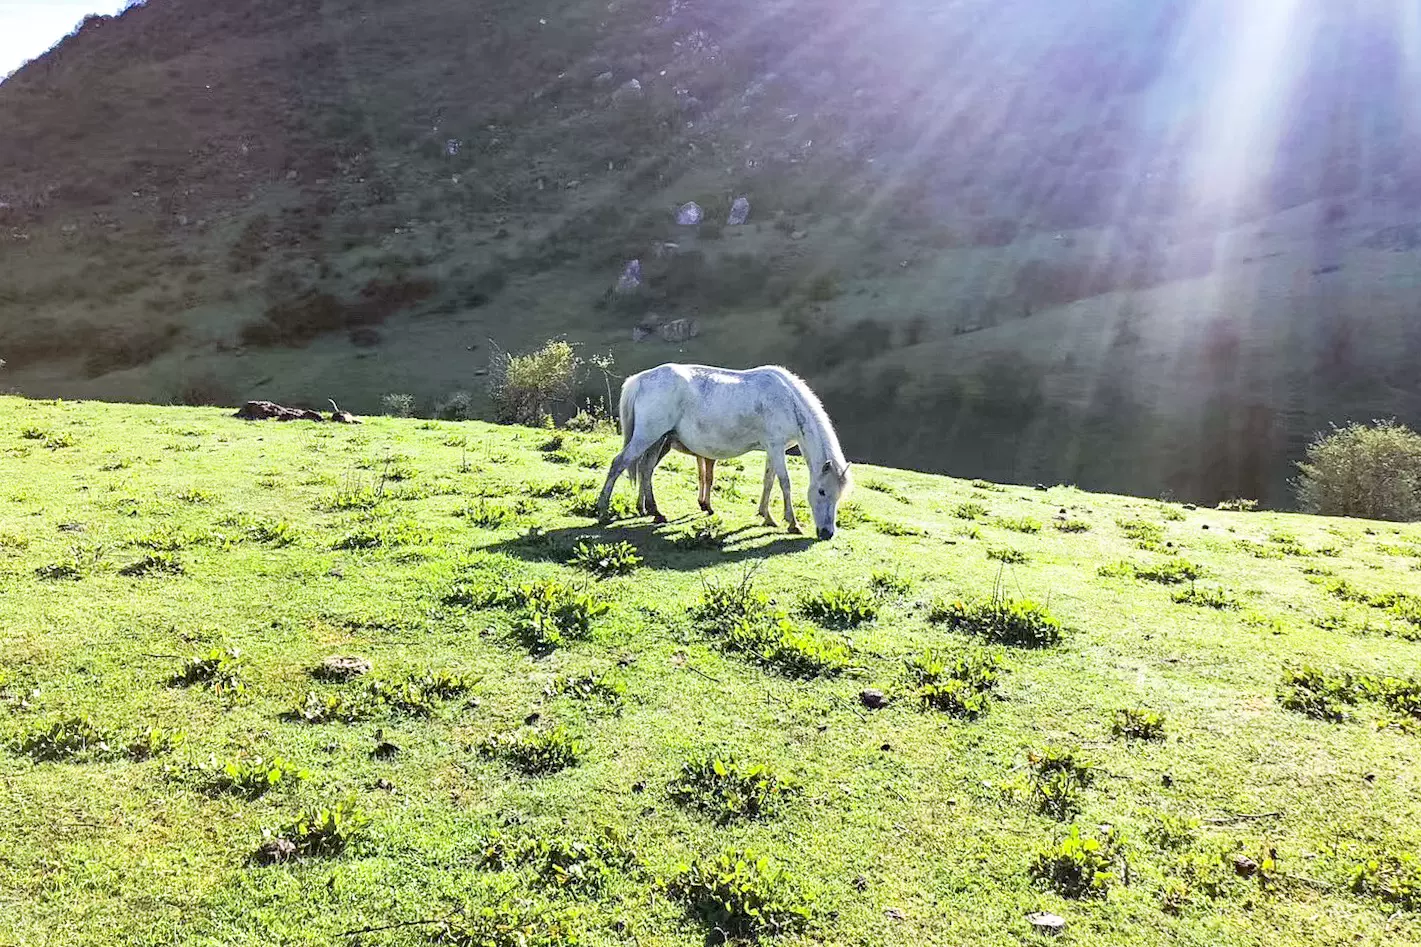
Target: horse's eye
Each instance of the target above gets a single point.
(821, 493)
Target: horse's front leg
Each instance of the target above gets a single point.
(765, 494)
(707, 482)
(782, 472)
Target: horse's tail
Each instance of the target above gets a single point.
(626, 412)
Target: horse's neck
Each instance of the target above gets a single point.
(818, 442)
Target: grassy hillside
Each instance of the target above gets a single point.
(173, 579)
(1103, 243)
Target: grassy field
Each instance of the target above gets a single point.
(533, 769)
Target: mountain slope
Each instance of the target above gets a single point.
(1138, 249)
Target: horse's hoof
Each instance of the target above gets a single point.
(658, 519)
(707, 510)
(794, 528)
(770, 523)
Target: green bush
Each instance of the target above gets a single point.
(550, 613)
(581, 865)
(1077, 866)
(156, 741)
(1372, 471)
(1317, 694)
(1170, 572)
(222, 669)
(969, 511)
(68, 739)
(1056, 779)
(741, 893)
(250, 776)
(787, 648)
(318, 832)
(1006, 621)
(525, 388)
(1020, 524)
(728, 789)
(1393, 879)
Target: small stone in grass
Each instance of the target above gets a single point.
(873, 699)
(1244, 866)
(1047, 923)
(274, 851)
(339, 667)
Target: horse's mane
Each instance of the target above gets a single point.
(817, 415)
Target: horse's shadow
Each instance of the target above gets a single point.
(653, 541)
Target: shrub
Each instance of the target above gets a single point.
(969, 511)
(779, 644)
(705, 533)
(220, 668)
(525, 387)
(1371, 471)
(1007, 621)
(66, 739)
(961, 685)
(398, 404)
(1394, 879)
(1020, 524)
(1071, 526)
(839, 607)
(728, 789)
(606, 559)
(723, 605)
(741, 893)
(1138, 723)
(1077, 866)
(456, 406)
(1007, 555)
(535, 753)
(551, 612)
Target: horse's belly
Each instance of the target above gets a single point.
(721, 442)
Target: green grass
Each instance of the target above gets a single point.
(143, 715)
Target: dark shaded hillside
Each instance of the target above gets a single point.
(1145, 247)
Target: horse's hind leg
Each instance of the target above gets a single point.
(631, 454)
(647, 505)
(765, 493)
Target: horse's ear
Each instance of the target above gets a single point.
(828, 466)
(844, 474)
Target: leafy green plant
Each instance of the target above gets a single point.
(581, 865)
(606, 559)
(263, 529)
(1022, 623)
(889, 584)
(507, 924)
(1143, 532)
(969, 510)
(839, 607)
(1019, 524)
(1239, 505)
(1393, 879)
(550, 613)
(535, 752)
(1056, 780)
(1172, 571)
(779, 644)
(706, 533)
(1071, 525)
(728, 789)
(742, 893)
(331, 707)
(584, 505)
(156, 741)
(1368, 470)
(488, 514)
(1078, 866)
(1172, 832)
(724, 605)
(69, 739)
(155, 563)
(222, 669)
(1317, 694)
(249, 775)
(1007, 555)
(377, 532)
(961, 684)
(318, 832)
(988, 486)
(887, 489)
(1138, 723)
(354, 497)
(1209, 596)
(475, 596)
(604, 686)
(892, 528)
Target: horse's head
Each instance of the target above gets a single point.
(828, 485)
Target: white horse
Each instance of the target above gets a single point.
(718, 413)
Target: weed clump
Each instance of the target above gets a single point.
(605, 687)
(1056, 779)
(1021, 623)
(535, 753)
(728, 789)
(551, 613)
(1392, 879)
(251, 776)
(887, 584)
(65, 740)
(1210, 596)
(1316, 694)
(839, 607)
(1019, 524)
(1078, 866)
(581, 865)
(154, 742)
(222, 669)
(962, 685)
(319, 832)
(155, 563)
(1138, 723)
(742, 893)
(606, 559)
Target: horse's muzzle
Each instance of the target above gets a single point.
(826, 533)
